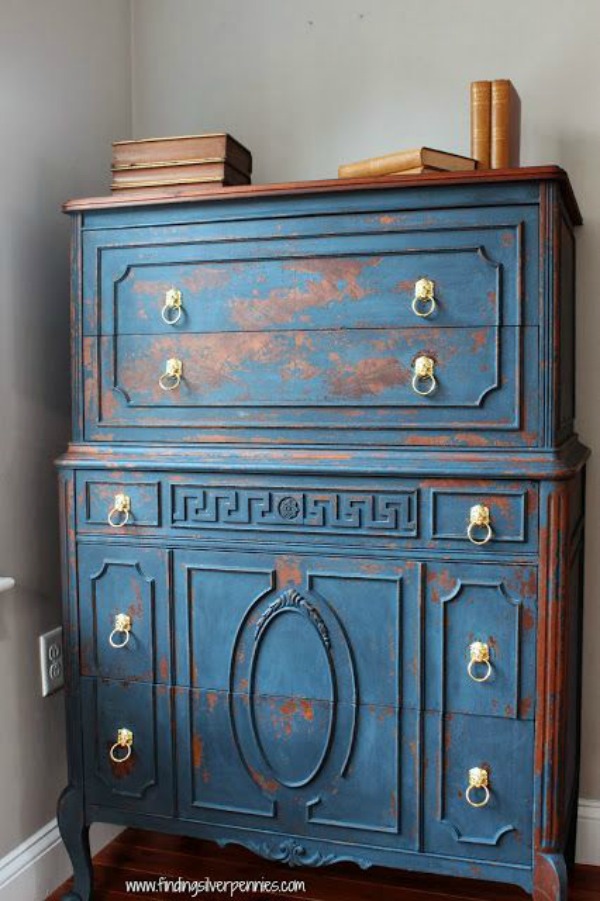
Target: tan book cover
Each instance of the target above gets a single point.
(177, 173)
(506, 125)
(402, 160)
(418, 170)
(481, 122)
(149, 151)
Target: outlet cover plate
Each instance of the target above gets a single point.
(51, 661)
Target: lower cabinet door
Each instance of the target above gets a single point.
(479, 787)
(299, 711)
(291, 764)
(127, 745)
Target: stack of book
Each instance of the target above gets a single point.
(407, 162)
(176, 165)
(495, 124)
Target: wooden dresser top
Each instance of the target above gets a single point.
(432, 179)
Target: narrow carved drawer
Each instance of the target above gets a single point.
(480, 622)
(433, 513)
(124, 502)
(127, 745)
(483, 514)
(479, 788)
(124, 628)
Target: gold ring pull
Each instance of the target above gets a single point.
(124, 741)
(478, 781)
(480, 655)
(171, 377)
(123, 628)
(479, 518)
(424, 368)
(424, 302)
(171, 312)
(121, 506)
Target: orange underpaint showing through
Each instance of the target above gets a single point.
(268, 785)
(307, 710)
(336, 281)
(197, 752)
(369, 377)
(212, 699)
(288, 570)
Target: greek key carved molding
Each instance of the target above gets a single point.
(381, 512)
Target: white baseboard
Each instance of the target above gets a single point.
(38, 866)
(33, 870)
(588, 832)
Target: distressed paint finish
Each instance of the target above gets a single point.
(302, 589)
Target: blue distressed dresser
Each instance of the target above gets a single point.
(323, 524)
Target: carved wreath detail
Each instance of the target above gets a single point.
(295, 854)
(290, 599)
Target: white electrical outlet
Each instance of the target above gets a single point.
(51, 661)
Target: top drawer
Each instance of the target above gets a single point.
(348, 280)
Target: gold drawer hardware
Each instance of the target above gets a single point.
(479, 518)
(122, 628)
(424, 369)
(424, 302)
(171, 377)
(478, 781)
(121, 506)
(124, 741)
(480, 655)
(171, 312)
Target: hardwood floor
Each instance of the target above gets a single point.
(139, 855)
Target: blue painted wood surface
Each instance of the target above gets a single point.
(302, 590)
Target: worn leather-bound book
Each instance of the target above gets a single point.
(481, 122)
(178, 174)
(186, 148)
(506, 125)
(403, 160)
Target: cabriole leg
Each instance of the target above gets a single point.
(75, 835)
(550, 878)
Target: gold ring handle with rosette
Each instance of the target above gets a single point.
(424, 302)
(424, 381)
(479, 653)
(123, 629)
(124, 743)
(479, 519)
(171, 377)
(479, 781)
(172, 309)
(120, 512)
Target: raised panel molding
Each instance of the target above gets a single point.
(499, 589)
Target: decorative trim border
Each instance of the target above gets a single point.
(198, 506)
(40, 864)
(588, 832)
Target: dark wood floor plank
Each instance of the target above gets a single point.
(353, 878)
(137, 854)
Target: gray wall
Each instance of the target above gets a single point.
(64, 96)
(308, 84)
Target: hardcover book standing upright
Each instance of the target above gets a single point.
(323, 524)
